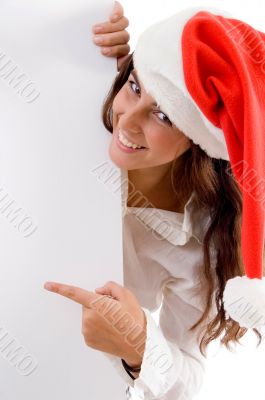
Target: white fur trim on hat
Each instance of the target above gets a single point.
(244, 301)
(158, 62)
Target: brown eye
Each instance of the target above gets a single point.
(133, 83)
(166, 120)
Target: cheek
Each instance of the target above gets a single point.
(163, 141)
(167, 145)
(119, 101)
(115, 104)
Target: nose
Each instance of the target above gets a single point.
(132, 120)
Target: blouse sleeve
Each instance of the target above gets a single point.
(172, 366)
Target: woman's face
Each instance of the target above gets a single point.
(142, 123)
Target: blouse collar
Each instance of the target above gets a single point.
(175, 227)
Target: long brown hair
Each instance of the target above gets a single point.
(217, 191)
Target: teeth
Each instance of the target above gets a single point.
(126, 143)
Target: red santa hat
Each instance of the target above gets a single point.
(206, 70)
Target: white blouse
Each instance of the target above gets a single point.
(162, 264)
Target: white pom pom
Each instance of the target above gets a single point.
(244, 301)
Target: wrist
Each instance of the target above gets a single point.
(132, 364)
(132, 371)
(134, 360)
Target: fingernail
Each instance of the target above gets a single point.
(115, 17)
(98, 39)
(97, 28)
(48, 286)
(105, 50)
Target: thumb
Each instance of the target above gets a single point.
(112, 289)
(117, 12)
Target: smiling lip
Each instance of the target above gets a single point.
(125, 148)
(129, 140)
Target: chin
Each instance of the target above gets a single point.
(116, 159)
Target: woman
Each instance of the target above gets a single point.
(182, 210)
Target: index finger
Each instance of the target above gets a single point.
(77, 294)
(109, 27)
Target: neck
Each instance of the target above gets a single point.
(152, 185)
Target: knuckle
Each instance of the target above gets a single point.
(126, 21)
(106, 40)
(106, 55)
(126, 36)
(106, 27)
(87, 339)
(69, 291)
(123, 50)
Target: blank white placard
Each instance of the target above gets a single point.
(59, 222)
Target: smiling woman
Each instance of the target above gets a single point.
(139, 122)
(186, 180)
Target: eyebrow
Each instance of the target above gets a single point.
(138, 83)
